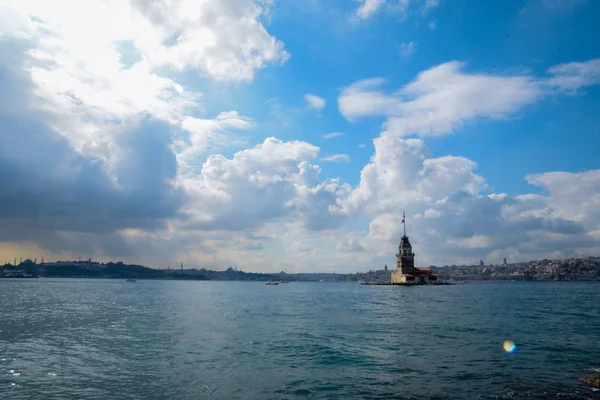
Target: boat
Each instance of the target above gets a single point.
(130, 280)
(272, 283)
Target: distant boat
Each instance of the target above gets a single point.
(130, 280)
(272, 283)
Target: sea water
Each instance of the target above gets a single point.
(109, 339)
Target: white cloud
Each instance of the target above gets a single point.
(451, 219)
(443, 98)
(369, 8)
(79, 74)
(208, 134)
(362, 99)
(432, 26)
(182, 33)
(473, 242)
(431, 213)
(315, 102)
(362, 146)
(273, 180)
(575, 75)
(575, 196)
(333, 135)
(407, 167)
(337, 158)
(350, 245)
(408, 49)
(429, 4)
(439, 100)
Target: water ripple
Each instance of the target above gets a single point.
(98, 339)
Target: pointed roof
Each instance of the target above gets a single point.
(404, 243)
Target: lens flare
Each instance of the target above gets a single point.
(509, 346)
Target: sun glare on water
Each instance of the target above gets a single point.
(509, 346)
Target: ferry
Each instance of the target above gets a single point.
(272, 283)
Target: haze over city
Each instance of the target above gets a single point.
(291, 135)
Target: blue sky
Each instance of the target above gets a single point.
(291, 135)
(328, 53)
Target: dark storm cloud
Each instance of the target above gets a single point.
(48, 189)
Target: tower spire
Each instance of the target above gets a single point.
(404, 221)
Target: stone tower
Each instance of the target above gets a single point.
(405, 258)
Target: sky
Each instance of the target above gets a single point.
(291, 135)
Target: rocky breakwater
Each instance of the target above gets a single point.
(592, 380)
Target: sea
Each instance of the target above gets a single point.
(152, 339)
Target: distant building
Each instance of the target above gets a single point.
(385, 268)
(505, 261)
(406, 272)
(481, 263)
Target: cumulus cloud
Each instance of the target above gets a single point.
(443, 98)
(86, 178)
(315, 102)
(55, 191)
(183, 34)
(108, 139)
(455, 220)
(272, 180)
(575, 196)
(90, 78)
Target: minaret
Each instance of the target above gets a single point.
(405, 257)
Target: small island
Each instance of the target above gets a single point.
(406, 274)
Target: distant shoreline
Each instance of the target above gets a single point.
(580, 270)
(96, 278)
